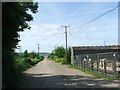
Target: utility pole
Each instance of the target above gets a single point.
(104, 42)
(65, 26)
(38, 49)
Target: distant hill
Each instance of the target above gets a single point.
(44, 53)
(41, 53)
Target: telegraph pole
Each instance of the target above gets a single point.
(104, 42)
(38, 49)
(65, 26)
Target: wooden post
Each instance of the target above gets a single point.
(84, 63)
(81, 62)
(114, 64)
(87, 61)
(105, 67)
(97, 62)
(72, 56)
(92, 64)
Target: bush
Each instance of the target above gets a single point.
(51, 56)
(62, 60)
(59, 52)
(33, 55)
(29, 61)
(22, 65)
(34, 61)
(69, 55)
(58, 59)
(41, 58)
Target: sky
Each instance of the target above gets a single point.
(46, 27)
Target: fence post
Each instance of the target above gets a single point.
(97, 62)
(92, 64)
(84, 63)
(105, 67)
(87, 61)
(114, 64)
(81, 62)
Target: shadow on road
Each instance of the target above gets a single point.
(47, 80)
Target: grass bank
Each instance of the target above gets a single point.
(94, 73)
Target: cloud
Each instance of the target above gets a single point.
(99, 29)
(83, 36)
(50, 33)
(41, 33)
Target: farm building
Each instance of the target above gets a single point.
(106, 58)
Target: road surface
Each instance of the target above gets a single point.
(48, 74)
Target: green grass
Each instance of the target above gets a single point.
(22, 65)
(94, 73)
(87, 71)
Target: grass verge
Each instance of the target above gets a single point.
(94, 73)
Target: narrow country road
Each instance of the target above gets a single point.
(48, 74)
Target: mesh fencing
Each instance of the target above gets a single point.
(104, 63)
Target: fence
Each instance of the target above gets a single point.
(104, 63)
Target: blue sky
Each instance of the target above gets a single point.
(47, 31)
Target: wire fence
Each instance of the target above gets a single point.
(104, 63)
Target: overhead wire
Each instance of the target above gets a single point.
(97, 17)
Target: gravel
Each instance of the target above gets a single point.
(48, 74)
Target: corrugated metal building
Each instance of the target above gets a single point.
(81, 50)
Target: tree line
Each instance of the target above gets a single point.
(59, 55)
(15, 18)
(26, 60)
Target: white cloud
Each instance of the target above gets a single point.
(50, 33)
(83, 36)
(45, 34)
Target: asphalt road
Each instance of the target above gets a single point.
(48, 74)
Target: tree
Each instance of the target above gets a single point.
(25, 54)
(69, 55)
(15, 18)
(60, 52)
(32, 55)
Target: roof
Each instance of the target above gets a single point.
(96, 47)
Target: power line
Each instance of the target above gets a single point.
(70, 33)
(98, 17)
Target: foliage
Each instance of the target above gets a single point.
(59, 53)
(51, 56)
(69, 55)
(33, 55)
(59, 59)
(94, 73)
(41, 57)
(15, 18)
(24, 63)
(25, 54)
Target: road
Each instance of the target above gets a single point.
(48, 74)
